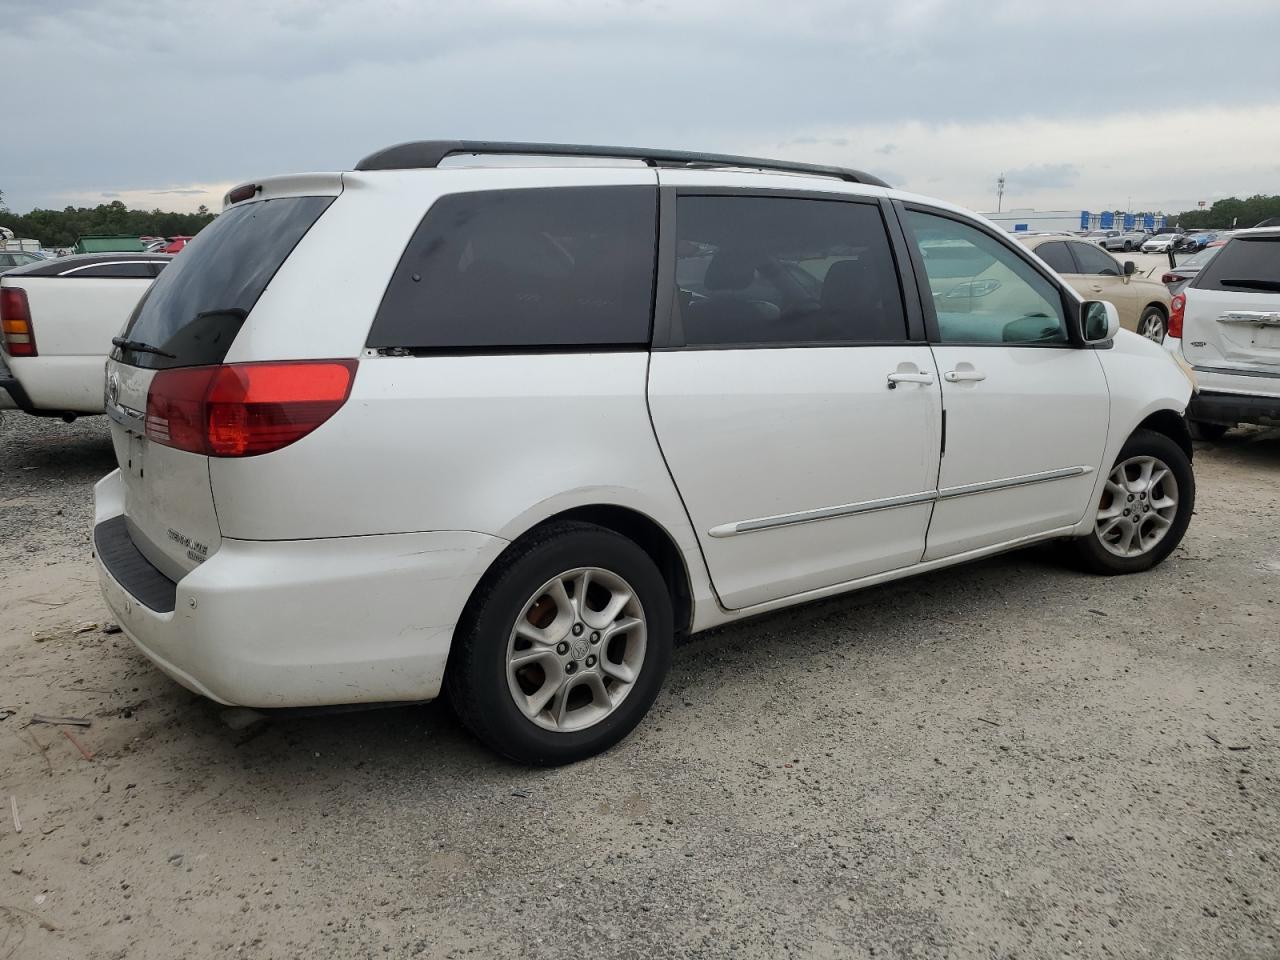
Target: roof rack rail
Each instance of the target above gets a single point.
(429, 153)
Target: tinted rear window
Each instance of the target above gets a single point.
(1245, 263)
(1056, 255)
(550, 267)
(196, 307)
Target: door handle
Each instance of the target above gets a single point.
(896, 378)
(1097, 288)
(963, 376)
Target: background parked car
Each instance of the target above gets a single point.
(57, 318)
(1100, 236)
(1226, 325)
(1175, 278)
(17, 258)
(1198, 241)
(1096, 275)
(1162, 243)
(1129, 240)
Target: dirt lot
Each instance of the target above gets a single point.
(1006, 760)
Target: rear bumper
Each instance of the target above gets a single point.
(1233, 408)
(14, 396)
(303, 622)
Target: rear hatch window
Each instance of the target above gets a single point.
(1246, 264)
(192, 313)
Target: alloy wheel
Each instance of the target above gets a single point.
(576, 650)
(1153, 326)
(1138, 506)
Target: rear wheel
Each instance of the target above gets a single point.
(1145, 507)
(1127, 246)
(1153, 324)
(564, 646)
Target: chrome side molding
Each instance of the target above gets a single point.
(964, 490)
(890, 503)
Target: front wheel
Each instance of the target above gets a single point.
(564, 645)
(1145, 507)
(1153, 325)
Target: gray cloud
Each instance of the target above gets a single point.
(303, 84)
(1043, 176)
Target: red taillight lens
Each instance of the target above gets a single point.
(15, 323)
(245, 409)
(1172, 278)
(1177, 307)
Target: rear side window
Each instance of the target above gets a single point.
(539, 268)
(1094, 261)
(1245, 263)
(196, 306)
(1056, 254)
(753, 270)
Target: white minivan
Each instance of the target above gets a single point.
(578, 401)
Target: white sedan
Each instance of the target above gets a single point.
(1163, 243)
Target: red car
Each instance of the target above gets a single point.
(175, 244)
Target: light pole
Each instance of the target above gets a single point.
(1000, 193)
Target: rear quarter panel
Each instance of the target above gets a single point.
(490, 444)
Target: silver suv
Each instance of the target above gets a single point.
(1226, 325)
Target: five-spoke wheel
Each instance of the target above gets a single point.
(564, 645)
(1139, 505)
(576, 649)
(1153, 325)
(1144, 509)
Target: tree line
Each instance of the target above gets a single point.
(1230, 212)
(61, 228)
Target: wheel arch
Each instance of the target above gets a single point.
(653, 539)
(643, 530)
(1173, 425)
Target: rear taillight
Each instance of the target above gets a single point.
(15, 322)
(1172, 278)
(245, 409)
(1177, 308)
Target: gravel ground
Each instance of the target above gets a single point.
(1009, 759)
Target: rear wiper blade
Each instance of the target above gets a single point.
(1246, 284)
(137, 346)
(237, 312)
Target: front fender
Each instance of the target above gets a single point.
(1142, 380)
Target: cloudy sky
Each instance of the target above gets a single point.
(1081, 104)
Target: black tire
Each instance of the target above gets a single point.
(476, 675)
(1090, 552)
(1128, 247)
(1156, 312)
(1204, 430)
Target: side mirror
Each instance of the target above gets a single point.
(1130, 268)
(1099, 321)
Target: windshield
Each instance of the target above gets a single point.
(196, 307)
